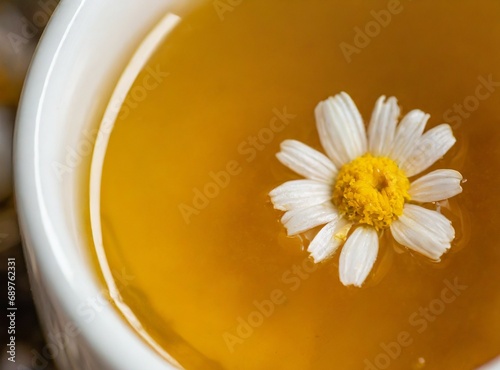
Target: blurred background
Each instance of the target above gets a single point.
(21, 25)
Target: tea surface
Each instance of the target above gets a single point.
(185, 208)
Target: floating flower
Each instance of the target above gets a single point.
(363, 185)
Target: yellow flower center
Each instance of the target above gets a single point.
(371, 190)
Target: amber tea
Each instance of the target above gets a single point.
(186, 210)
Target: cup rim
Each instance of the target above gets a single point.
(47, 205)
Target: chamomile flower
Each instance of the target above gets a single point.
(361, 187)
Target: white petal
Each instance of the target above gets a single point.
(340, 129)
(300, 194)
(358, 256)
(437, 185)
(358, 126)
(382, 126)
(306, 161)
(424, 231)
(326, 242)
(408, 133)
(430, 147)
(299, 220)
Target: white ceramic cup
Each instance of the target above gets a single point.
(81, 56)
